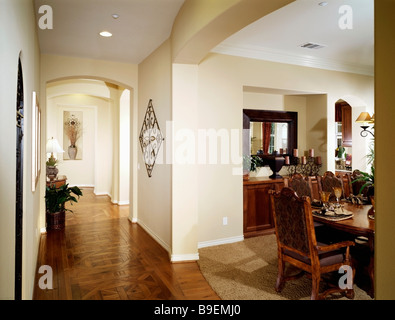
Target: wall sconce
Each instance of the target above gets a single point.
(365, 117)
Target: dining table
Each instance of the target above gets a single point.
(359, 224)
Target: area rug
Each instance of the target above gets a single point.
(247, 270)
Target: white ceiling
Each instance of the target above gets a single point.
(143, 25)
(277, 36)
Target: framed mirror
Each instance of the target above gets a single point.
(266, 131)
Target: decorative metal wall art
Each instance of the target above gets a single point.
(150, 138)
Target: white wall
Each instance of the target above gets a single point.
(18, 37)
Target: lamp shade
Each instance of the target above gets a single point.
(53, 146)
(364, 117)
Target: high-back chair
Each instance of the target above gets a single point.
(329, 181)
(315, 187)
(347, 185)
(299, 184)
(297, 244)
(356, 186)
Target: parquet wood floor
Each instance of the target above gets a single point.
(101, 255)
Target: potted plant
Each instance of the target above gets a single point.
(55, 200)
(250, 163)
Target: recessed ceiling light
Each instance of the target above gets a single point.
(106, 34)
(115, 16)
(323, 4)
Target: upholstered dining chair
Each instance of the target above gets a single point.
(347, 185)
(356, 186)
(329, 181)
(299, 184)
(297, 244)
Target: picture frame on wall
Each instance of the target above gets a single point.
(36, 141)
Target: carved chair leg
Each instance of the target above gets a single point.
(315, 286)
(280, 276)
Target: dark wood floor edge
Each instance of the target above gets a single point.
(38, 264)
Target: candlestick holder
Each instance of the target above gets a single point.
(310, 168)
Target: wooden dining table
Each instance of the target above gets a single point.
(359, 225)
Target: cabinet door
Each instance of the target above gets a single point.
(258, 217)
(346, 126)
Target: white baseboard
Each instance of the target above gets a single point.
(217, 242)
(123, 203)
(184, 257)
(153, 235)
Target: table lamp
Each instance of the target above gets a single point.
(52, 147)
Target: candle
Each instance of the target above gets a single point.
(286, 159)
(311, 153)
(303, 160)
(295, 152)
(318, 160)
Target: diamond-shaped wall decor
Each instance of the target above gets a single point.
(150, 138)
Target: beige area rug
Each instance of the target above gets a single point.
(247, 270)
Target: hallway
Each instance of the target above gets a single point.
(101, 255)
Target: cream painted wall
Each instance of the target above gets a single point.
(384, 127)
(18, 37)
(202, 24)
(155, 192)
(221, 100)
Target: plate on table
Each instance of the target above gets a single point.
(316, 204)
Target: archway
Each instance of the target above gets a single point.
(100, 105)
(356, 146)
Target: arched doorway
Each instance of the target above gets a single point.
(100, 107)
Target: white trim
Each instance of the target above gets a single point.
(217, 242)
(261, 53)
(184, 257)
(154, 235)
(123, 203)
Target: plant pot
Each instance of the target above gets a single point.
(55, 220)
(72, 151)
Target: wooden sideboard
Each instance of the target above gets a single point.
(257, 216)
(58, 182)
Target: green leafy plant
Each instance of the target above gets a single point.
(56, 198)
(52, 162)
(251, 163)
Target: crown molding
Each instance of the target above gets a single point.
(262, 53)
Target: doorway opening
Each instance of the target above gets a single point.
(102, 109)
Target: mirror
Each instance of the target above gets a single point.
(267, 137)
(266, 131)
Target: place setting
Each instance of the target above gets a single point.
(333, 211)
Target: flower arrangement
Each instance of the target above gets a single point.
(73, 129)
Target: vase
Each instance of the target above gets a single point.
(51, 172)
(72, 151)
